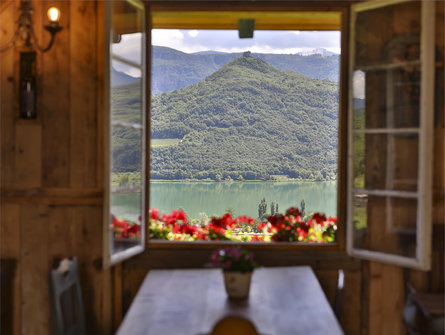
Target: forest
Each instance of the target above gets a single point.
(246, 121)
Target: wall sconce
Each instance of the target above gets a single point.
(25, 30)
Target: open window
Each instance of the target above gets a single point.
(391, 129)
(193, 119)
(125, 123)
(128, 154)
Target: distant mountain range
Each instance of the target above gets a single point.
(247, 120)
(173, 69)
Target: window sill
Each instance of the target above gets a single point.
(210, 245)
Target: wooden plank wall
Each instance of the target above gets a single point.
(374, 294)
(384, 284)
(51, 167)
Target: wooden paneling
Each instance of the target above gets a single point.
(54, 94)
(28, 150)
(83, 95)
(7, 90)
(10, 248)
(35, 268)
(386, 299)
(52, 166)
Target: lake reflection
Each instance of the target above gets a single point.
(243, 197)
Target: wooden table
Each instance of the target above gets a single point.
(282, 301)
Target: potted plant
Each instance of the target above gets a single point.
(238, 265)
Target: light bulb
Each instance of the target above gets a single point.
(54, 14)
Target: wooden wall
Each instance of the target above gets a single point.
(375, 292)
(52, 192)
(51, 167)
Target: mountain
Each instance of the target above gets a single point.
(118, 78)
(248, 120)
(317, 51)
(173, 69)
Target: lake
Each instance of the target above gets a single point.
(214, 197)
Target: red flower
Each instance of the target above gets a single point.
(179, 215)
(293, 211)
(276, 219)
(319, 217)
(154, 214)
(257, 238)
(184, 229)
(244, 219)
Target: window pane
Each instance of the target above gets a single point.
(392, 101)
(389, 34)
(126, 210)
(126, 154)
(127, 133)
(385, 224)
(126, 97)
(383, 162)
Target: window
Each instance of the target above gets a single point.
(125, 224)
(125, 228)
(390, 142)
(247, 127)
(167, 142)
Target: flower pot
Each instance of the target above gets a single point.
(237, 284)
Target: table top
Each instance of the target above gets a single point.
(282, 301)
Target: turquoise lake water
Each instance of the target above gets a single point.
(215, 197)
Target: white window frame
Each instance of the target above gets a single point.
(111, 258)
(423, 195)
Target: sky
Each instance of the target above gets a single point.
(283, 42)
(190, 41)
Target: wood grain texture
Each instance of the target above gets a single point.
(10, 244)
(54, 196)
(35, 268)
(55, 97)
(386, 299)
(282, 301)
(7, 83)
(28, 151)
(83, 90)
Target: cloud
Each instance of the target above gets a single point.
(286, 42)
(193, 33)
(172, 38)
(129, 47)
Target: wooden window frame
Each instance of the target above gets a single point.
(270, 7)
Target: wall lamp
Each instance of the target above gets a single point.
(28, 72)
(25, 30)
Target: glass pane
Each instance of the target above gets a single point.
(127, 149)
(389, 34)
(382, 162)
(127, 33)
(385, 224)
(126, 154)
(387, 98)
(126, 97)
(126, 209)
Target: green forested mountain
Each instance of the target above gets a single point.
(248, 120)
(173, 69)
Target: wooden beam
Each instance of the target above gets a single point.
(307, 20)
(53, 196)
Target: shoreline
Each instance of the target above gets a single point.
(239, 181)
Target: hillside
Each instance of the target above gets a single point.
(248, 120)
(173, 69)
